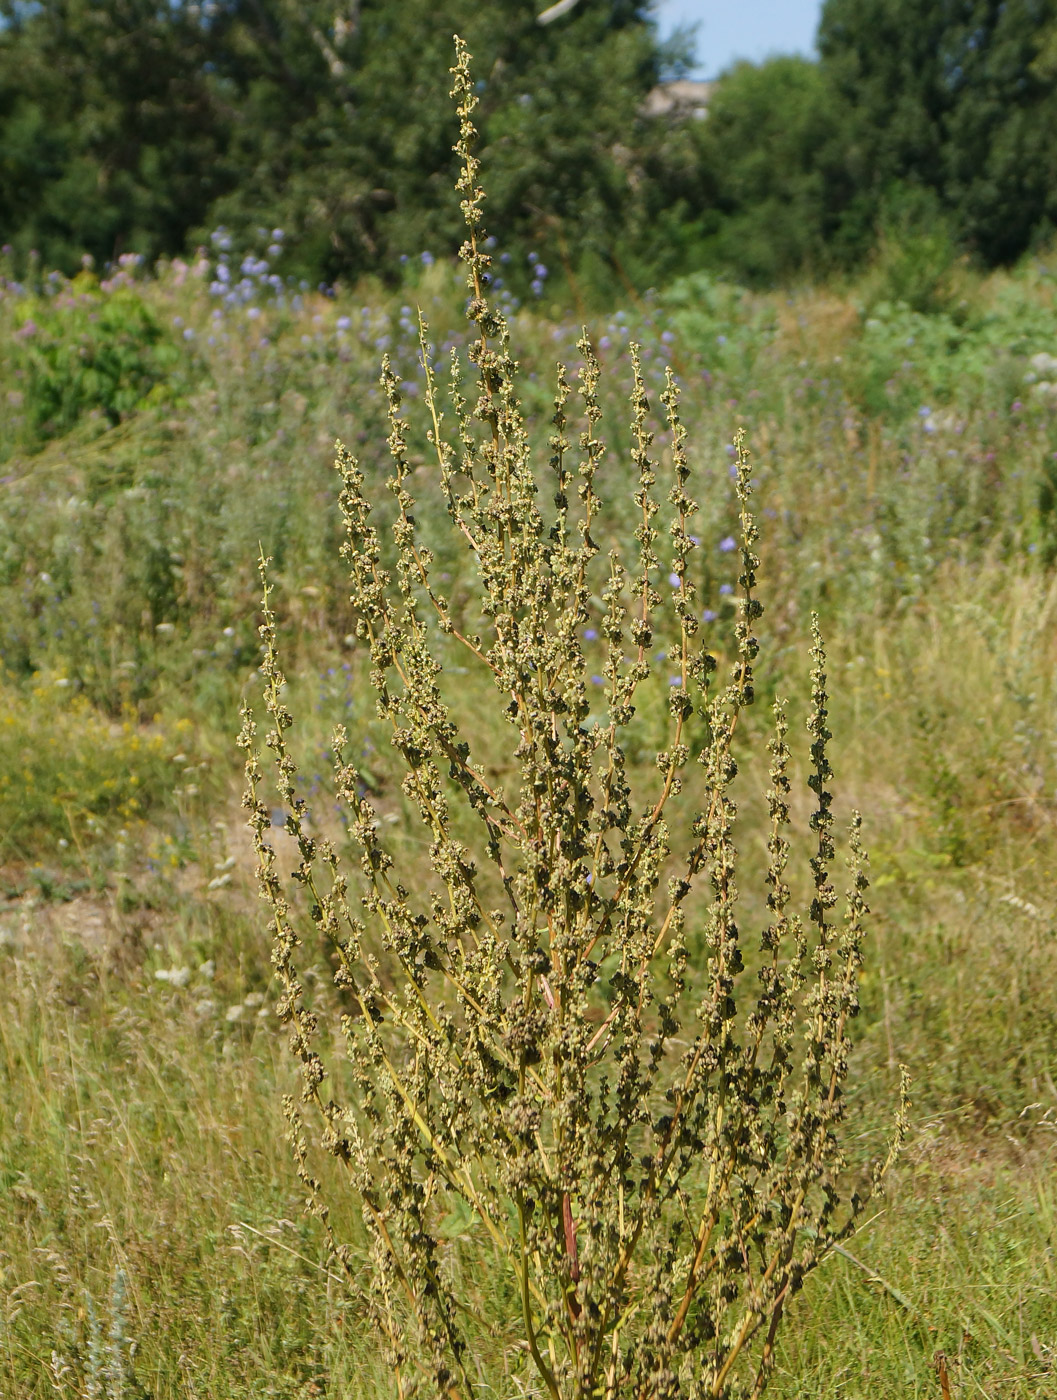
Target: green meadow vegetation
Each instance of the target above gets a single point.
(161, 433)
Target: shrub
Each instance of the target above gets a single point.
(82, 352)
(557, 1060)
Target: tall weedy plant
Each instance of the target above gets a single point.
(646, 1148)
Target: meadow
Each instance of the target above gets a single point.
(160, 430)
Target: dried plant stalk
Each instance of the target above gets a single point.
(648, 1149)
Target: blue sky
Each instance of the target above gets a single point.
(732, 29)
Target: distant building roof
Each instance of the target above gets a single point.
(685, 97)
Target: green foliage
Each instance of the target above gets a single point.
(952, 99)
(925, 130)
(722, 321)
(134, 126)
(1048, 509)
(112, 132)
(907, 360)
(349, 140)
(139, 126)
(916, 256)
(81, 351)
(122, 550)
(775, 167)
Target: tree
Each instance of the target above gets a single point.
(111, 138)
(775, 170)
(345, 136)
(1001, 167)
(953, 96)
(141, 124)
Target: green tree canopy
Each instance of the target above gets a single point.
(345, 134)
(953, 96)
(776, 180)
(111, 134)
(138, 124)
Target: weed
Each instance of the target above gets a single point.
(653, 1159)
(105, 1371)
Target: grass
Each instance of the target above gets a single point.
(152, 1214)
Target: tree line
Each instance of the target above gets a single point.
(145, 125)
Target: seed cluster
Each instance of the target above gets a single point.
(648, 1148)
